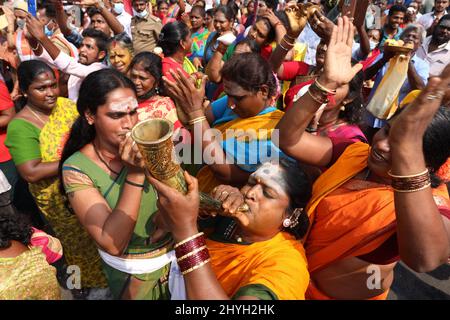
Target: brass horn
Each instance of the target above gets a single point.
(154, 140)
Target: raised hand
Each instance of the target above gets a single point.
(298, 17)
(34, 28)
(321, 24)
(338, 69)
(9, 14)
(189, 93)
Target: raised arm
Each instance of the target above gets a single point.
(61, 17)
(110, 19)
(280, 30)
(294, 141)
(112, 228)
(190, 98)
(298, 17)
(9, 14)
(423, 233)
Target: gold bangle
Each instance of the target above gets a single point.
(293, 39)
(196, 266)
(197, 120)
(323, 88)
(316, 99)
(188, 239)
(37, 46)
(191, 253)
(409, 176)
(413, 190)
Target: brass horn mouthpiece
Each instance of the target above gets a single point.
(154, 140)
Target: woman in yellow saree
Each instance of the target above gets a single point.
(35, 138)
(249, 256)
(374, 205)
(242, 121)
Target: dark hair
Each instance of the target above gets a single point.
(171, 35)
(210, 12)
(354, 110)
(93, 93)
(397, 8)
(152, 64)
(101, 39)
(92, 11)
(50, 10)
(254, 47)
(444, 17)
(160, 2)
(271, 34)
(272, 4)
(13, 227)
(227, 11)
(124, 40)
(200, 9)
(29, 70)
(250, 71)
(436, 143)
(299, 190)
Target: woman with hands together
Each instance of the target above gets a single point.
(374, 205)
(246, 110)
(248, 256)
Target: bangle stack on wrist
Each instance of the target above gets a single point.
(287, 45)
(196, 120)
(410, 183)
(192, 253)
(320, 93)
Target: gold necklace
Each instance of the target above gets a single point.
(36, 115)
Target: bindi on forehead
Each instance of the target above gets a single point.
(126, 105)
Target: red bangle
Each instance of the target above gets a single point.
(189, 246)
(193, 260)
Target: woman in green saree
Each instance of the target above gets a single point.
(102, 173)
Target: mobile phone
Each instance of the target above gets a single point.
(32, 7)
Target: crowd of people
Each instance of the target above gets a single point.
(331, 129)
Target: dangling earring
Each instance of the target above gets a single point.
(342, 108)
(286, 222)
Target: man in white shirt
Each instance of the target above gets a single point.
(430, 20)
(118, 9)
(436, 48)
(92, 52)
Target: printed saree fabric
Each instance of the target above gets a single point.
(248, 142)
(28, 276)
(78, 247)
(351, 217)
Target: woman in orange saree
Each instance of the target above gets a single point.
(374, 205)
